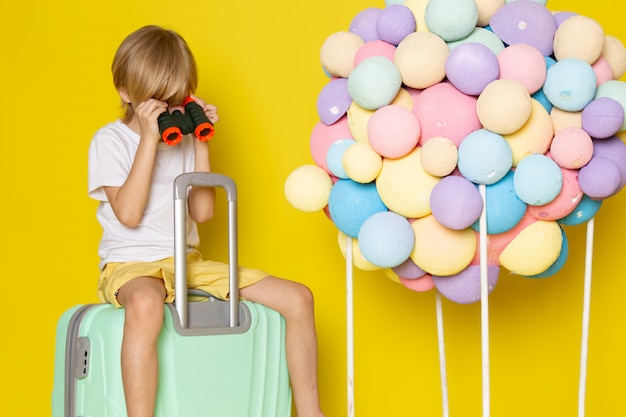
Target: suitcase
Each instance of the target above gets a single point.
(216, 358)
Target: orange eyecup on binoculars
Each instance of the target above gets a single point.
(173, 126)
(203, 127)
(205, 131)
(172, 135)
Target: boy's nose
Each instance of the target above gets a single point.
(171, 109)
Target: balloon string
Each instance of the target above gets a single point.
(484, 303)
(442, 356)
(586, 310)
(350, 326)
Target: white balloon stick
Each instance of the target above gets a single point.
(442, 355)
(484, 303)
(585, 322)
(350, 325)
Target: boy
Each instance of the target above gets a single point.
(131, 172)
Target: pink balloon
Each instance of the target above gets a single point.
(374, 48)
(322, 137)
(423, 284)
(564, 203)
(442, 110)
(393, 131)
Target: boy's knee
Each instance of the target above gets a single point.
(302, 299)
(144, 306)
(306, 295)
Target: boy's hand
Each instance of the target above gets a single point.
(147, 114)
(209, 109)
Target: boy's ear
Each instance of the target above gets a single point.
(124, 95)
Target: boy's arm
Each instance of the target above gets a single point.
(202, 199)
(129, 200)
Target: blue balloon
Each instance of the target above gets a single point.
(351, 203)
(538, 180)
(504, 209)
(584, 211)
(540, 96)
(334, 157)
(570, 84)
(484, 157)
(386, 239)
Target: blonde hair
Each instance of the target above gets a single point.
(154, 62)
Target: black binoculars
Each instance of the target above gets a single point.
(172, 126)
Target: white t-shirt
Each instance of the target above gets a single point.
(111, 156)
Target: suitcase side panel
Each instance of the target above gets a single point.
(197, 373)
(61, 346)
(99, 390)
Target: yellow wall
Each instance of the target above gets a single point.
(259, 62)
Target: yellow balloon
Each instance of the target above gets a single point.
(534, 249)
(404, 99)
(421, 59)
(308, 187)
(562, 119)
(404, 185)
(439, 156)
(534, 137)
(361, 163)
(504, 106)
(338, 51)
(358, 118)
(392, 275)
(615, 53)
(439, 250)
(579, 37)
(418, 7)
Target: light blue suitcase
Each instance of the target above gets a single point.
(216, 358)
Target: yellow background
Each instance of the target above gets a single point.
(259, 62)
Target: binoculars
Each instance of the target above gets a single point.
(172, 126)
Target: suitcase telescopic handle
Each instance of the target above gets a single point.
(181, 185)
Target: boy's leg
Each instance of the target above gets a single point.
(295, 302)
(143, 300)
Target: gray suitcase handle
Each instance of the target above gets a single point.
(181, 184)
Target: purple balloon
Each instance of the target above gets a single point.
(464, 287)
(364, 24)
(600, 178)
(471, 66)
(614, 149)
(602, 117)
(525, 21)
(409, 270)
(455, 202)
(395, 23)
(561, 17)
(333, 101)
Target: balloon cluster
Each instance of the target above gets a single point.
(429, 99)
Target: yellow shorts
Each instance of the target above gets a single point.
(208, 276)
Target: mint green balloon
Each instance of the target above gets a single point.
(374, 83)
(451, 20)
